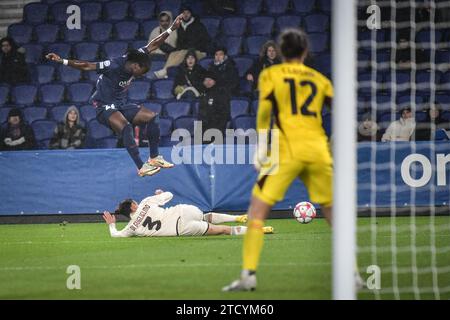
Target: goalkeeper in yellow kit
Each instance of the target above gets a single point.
(295, 95)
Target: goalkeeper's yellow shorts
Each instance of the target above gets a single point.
(317, 177)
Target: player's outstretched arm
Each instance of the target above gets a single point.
(110, 220)
(159, 40)
(80, 65)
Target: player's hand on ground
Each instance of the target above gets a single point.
(158, 191)
(177, 22)
(53, 57)
(108, 217)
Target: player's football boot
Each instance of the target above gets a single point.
(160, 162)
(268, 229)
(247, 282)
(242, 219)
(148, 170)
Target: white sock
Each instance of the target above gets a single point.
(238, 230)
(217, 218)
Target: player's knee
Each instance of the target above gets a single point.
(127, 135)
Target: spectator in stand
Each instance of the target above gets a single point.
(189, 79)
(368, 129)
(17, 134)
(425, 131)
(69, 134)
(214, 108)
(13, 68)
(225, 70)
(169, 45)
(402, 129)
(191, 34)
(269, 55)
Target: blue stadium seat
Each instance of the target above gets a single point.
(446, 115)
(20, 32)
(46, 33)
(97, 131)
(91, 76)
(423, 37)
(303, 6)
(234, 26)
(61, 49)
(126, 30)
(254, 44)
(284, 22)
(51, 94)
(243, 64)
(24, 95)
(319, 42)
(406, 99)
(153, 106)
(155, 66)
(205, 62)
(139, 44)
(325, 5)
(317, 23)
(45, 73)
(58, 12)
(276, 7)
(165, 125)
(444, 100)
(233, 45)
(148, 26)
(80, 92)
(173, 6)
(441, 135)
(106, 143)
(116, 10)
(139, 91)
(212, 24)
(114, 49)
(91, 11)
(250, 7)
(177, 109)
(323, 63)
(239, 107)
(186, 122)
(244, 122)
(143, 10)
(57, 113)
(261, 25)
(35, 13)
(4, 93)
(254, 107)
(100, 31)
(442, 57)
(43, 130)
(33, 53)
(88, 112)
(67, 74)
(75, 35)
(162, 89)
(421, 116)
(87, 51)
(4, 115)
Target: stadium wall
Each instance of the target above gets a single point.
(90, 181)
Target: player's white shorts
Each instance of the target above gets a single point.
(191, 221)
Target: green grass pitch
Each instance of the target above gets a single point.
(295, 264)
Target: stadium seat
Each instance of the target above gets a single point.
(106, 143)
(284, 22)
(58, 12)
(441, 135)
(250, 7)
(443, 58)
(317, 23)
(139, 91)
(212, 24)
(148, 26)
(319, 42)
(46, 33)
(57, 113)
(446, 115)
(155, 66)
(35, 13)
(114, 49)
(45, 73)
(75, 35)
(233, 45)
(165, 125)
(68, 74)
(234, 26)
(276, 7)
(162, 89)
(100, 31)
(421, 116)
(4, 93)
(323, 63)
(444, 100)
(254, 107)
(239, 107)
(91, 11)
(243, 64)
(91, 76)
(303, 6)
(244, 122)
(87, 51)
(173, 6)
(126, 30)
(61, 49)
(143, 10)
(43, 131)
(80, 93)
(24, 95)
(254, 44)
(139, 44)
(20, 32)
(4, 115)
(51, 94)
(97, 131)
(186, 122)
(261, 25)
(33, 53)
(88, 112)
(325, 5)
(153, 106)
(423, 37)
(177, 109)
(205, 62)
(116, 10)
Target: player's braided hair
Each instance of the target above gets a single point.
(124, 208)
(141, 58)
(293, 43)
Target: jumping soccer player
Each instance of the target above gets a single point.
(110, 95)
(150, 219)
(295, 95)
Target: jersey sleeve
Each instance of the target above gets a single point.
(329, 91)
(105, 66)
(266, 100)
(159, 199)
(124, 233)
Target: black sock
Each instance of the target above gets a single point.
(153, 133)
(130, 144)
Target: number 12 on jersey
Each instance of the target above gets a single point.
(293, 90)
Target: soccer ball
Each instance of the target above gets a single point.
(304, 212)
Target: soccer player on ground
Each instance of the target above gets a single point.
(150, 219)
(294, 94)
(110, 96)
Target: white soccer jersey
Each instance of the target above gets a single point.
(151, 220)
